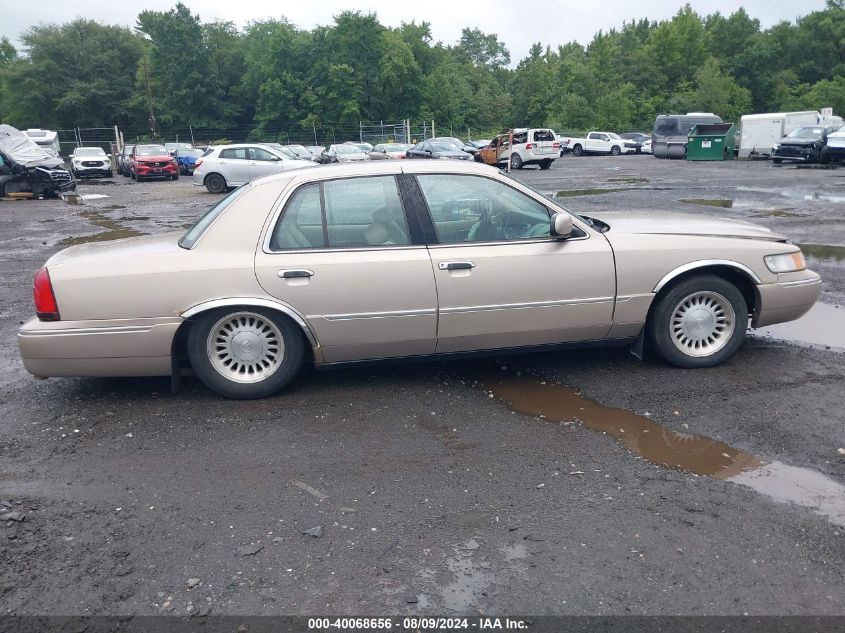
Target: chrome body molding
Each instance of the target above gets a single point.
(82, 331)
(376, 315)
(522, 306)
(801, 282)
(257, 302)
(703, 263)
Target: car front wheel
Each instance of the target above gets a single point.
(516, 162)
(700, 322)
(245, 353)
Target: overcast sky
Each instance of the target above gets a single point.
(518, 24)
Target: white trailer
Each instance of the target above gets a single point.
(758, 132)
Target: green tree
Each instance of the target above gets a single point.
(76, 74)
(483, 49)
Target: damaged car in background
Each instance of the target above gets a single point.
(28, 169)
(403, 259)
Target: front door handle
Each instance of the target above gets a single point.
(296, 273)
(456, 265)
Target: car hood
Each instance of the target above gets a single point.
(113, 252)
(454, 153)
(798, 141)
(667, 223)
(155, 157)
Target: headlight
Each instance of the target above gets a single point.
(786, 262)
(775, 146)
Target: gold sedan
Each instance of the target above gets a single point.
(403, 259)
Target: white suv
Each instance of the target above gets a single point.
(530, 147)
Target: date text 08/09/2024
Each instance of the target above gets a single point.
(416, 624)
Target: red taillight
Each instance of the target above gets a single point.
(528, 146)
(198, 163)
(556, 145)
(46, 308)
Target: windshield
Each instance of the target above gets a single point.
(445, 147)
(150, 150)
(190, 238)
(666, 127)
(395, 147)
(299, 150)
(88, 151)
(614, 135)
(178, 145)
(348, 149)
(806, 132)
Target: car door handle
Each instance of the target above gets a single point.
(295, 274)
(456, 265)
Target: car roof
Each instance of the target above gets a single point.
(386, 168)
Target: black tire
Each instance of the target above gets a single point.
(138, 178)
(615, 151)
(215, 183)
(577, 150)
(777, 161)
(546, 163)
(175, 177)
(671, 312)
(516, 161)
(210, 371)
(824, 156)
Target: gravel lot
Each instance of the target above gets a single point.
(433, 494)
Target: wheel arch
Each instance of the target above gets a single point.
(745, 279)
(179, 346)
(214, 173)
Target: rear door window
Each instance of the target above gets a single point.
(543, 135)
(347, 213)
(232, 153)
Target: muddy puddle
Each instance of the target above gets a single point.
(571, 193)
(824, 251)
(680, 451)
(708, 202)
(823, 326)
(114, 230)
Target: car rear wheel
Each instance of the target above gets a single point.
(700, 322)
(615, 151)
(516, 162)
(546, 163)
(577, 150)
(215, 183)
(245, 353)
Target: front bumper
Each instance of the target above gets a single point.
(797, 154)
(156, 172)
(790, 298)
(92, 171)
(121, 347)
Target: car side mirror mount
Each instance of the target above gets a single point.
(561, 225)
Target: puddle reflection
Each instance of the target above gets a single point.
(823, 326)
(680, 451)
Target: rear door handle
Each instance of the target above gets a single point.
(294, 274)
(456, 265)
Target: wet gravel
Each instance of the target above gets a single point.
(431, 495)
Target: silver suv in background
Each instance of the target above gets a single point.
(229, 166)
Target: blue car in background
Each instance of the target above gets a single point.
(187, 159)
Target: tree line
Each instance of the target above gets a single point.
(272, 75)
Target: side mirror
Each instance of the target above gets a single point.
(561, 225)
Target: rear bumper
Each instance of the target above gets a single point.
(123, 347)
(790, 298)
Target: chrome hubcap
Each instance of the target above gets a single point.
(245, 347)
(702, 323)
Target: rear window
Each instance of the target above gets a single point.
(239, 153)
(195, 232)
(666, 126)
(543, 135)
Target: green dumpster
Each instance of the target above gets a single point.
(713, 141)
